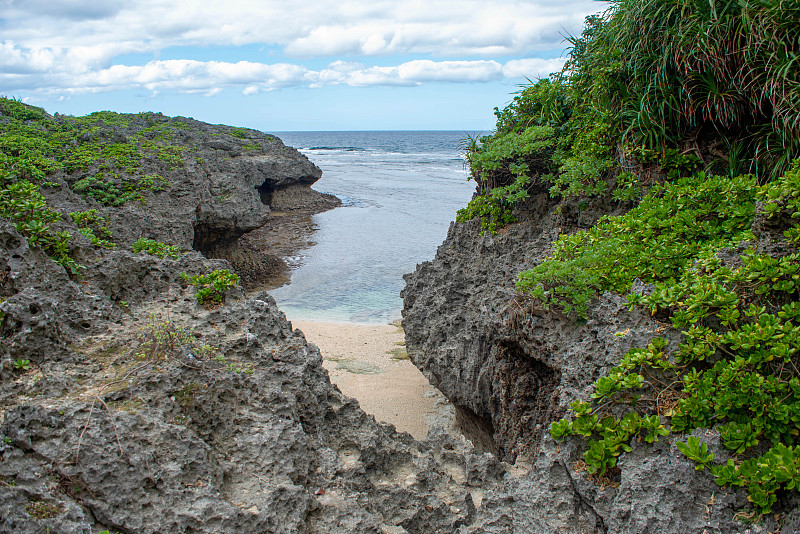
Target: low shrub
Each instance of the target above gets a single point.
(23, 204)
(735, 370)
(211, 287)
(162, 340)
(156, 248)
(93, 227)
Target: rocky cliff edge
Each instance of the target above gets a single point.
(128, 406)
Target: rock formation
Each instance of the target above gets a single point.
(128, 406)
(511, 369)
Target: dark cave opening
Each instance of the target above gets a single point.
(265, 192)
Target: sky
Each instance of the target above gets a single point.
(286, 66)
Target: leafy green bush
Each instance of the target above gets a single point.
(493, 209)
(107, 156)
(100, 188)
(512, 161)
(156, 248)
(90, 225)
(734, 371)
(105, 188)
(639, 80)
(668, 105)
(34, 145)
(21, 112)
(23, 204)
(212, 287)
(656, 241)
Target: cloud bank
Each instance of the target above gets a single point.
(210, 77)
(72, 46)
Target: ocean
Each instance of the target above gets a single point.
(399, 192)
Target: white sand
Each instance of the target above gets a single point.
(369, 363)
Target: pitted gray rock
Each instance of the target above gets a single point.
(512, 368)
(128, 406)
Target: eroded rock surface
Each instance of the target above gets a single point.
(205, 187)
(183, 419)
(207, 193)
(511, 369)
(128, 406)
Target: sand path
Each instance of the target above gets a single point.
(369, 363)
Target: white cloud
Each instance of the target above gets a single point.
(323, 27)
(190, 76)
(74, 46)
(211, 77)
(451, 71)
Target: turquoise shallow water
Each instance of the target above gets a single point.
(400, 190)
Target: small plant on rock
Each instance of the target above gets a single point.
(162, 340)
(93, 227)
(23, 204)
(21, 364)
(42, 509)
(211, 287)
(157, 248)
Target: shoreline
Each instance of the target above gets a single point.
(265, 257)
(369, 363)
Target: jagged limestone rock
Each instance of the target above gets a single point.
(511, 368)
(128, 406)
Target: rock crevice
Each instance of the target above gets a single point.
(129, 406)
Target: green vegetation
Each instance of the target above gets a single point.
(90, 225)
(503, 166)
(239, 133)
(685, 114)
(111, 190)
(114, 155)
(239, 369)
(102, 163)
(99, 162)
(162, 340)
(157, 248)
(211, 287)
(23, 204)
(681, 84)
(42, 509)
(21, 364)
(735, 370)
(656, 241)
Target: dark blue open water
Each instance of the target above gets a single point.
(400, 190)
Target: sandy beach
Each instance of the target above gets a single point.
(369, 363)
